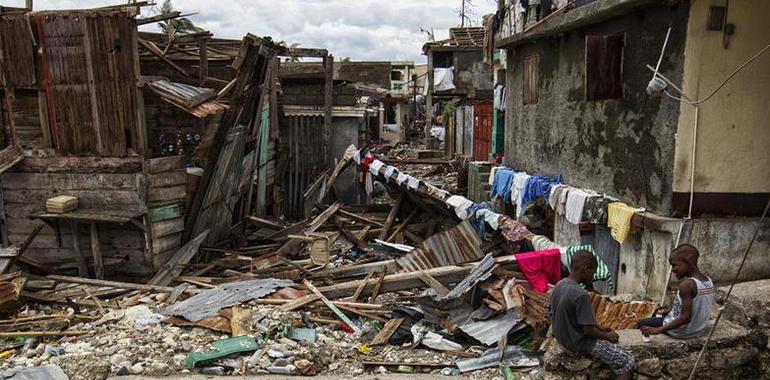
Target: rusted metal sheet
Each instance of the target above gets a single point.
(17, 56)
(620, 315)
(89, 64)
(195, 100)
(455, 246)
(304, 162)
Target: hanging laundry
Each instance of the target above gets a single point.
(357, 156)
(375, 166)
(476, 214)
(541, 243)
(365, 167)
(435, 191)
(492, 218)
(602, 270)
(401, 178)
(389, 172)
(413, 183)
(619, 217)
(576, 200)
(541, 268)
(498, 97)
(538, 186)
(460, 204)
(517, 191)
(595, 209)
(501, 186)
(512, 230)
(554, 199)
(492, 172)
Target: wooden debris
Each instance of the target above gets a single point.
(176, 263)
(378, 286)
(331, 306)
(43, 333)
(387, 331)
(241, 321)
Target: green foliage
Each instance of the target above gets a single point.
(178, 25)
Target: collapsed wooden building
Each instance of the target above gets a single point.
(159, 140)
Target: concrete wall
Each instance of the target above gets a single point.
(623, 147)
(733, 126)
(345, 131)
(472, 75)
(721, 241)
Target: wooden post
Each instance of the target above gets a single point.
(79, 258)
(29, 5)
(328, 104)
(429, 98)
(96, 250)
(392, 216)
(204, 60)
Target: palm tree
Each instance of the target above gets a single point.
(176, 25)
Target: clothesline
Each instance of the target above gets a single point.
(575, 204)
(480, 214)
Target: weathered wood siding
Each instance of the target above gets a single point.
(89, 59)
(166, 181)
(25, 192)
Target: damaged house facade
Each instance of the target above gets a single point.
(691, 158)
(160, 142)
(458, 73)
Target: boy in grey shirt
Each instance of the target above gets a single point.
(573, 322)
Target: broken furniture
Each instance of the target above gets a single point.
(92, 218)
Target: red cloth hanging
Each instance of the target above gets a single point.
(541, 268)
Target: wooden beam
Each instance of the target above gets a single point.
(204, 60)
(96, 250)
(328, 63)
(149, 45)
(359, 218)
(392, 216)
(163, 17)
(403, 225)
(79, 258)
(114, 284)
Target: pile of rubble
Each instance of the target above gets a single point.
(412, 288)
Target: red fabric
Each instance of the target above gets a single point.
(365, 162)
(541, 268)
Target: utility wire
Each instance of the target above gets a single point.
(724, 82)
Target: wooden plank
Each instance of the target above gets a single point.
(149, 45)
(159, 214)
(163, 194)
(167, 227)
(392, 216)
(96, 251)
(79, 258)
(176, 264)
(80, 165)
(163, 17)
(69, 181)
(264, 222)
(166, 164)
(359, 218)
(387, 331)
(86, 198)
(114, 284)
(165, 243)
(166, 179)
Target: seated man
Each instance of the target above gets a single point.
(574, 324)
(689, 316)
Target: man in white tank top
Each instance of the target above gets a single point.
(689, 315)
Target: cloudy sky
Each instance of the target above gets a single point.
(359, 29)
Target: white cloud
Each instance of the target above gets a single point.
(359, 29)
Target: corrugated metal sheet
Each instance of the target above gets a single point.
(490, 331)
(620, 315)
(480, 273)
(17, 55)
(513, 356)
(195, 100)
(208, 303)
(89, 63)
(457, 245)
(304, 161)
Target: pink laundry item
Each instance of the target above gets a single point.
(541, 268)
(512, 229)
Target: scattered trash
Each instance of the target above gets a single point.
(222, 349)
